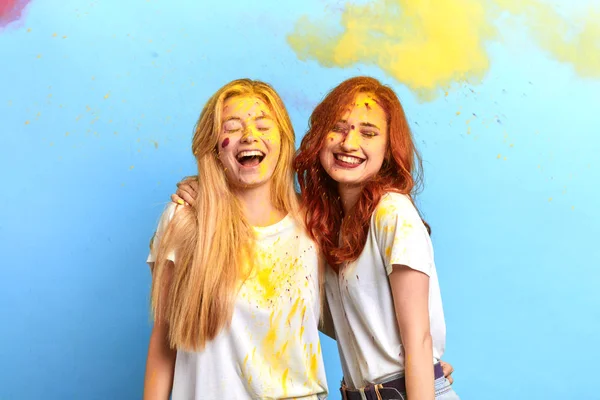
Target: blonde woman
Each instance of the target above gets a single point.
(235, 280)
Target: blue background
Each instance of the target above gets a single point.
(96, 124)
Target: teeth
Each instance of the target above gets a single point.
(349, 159)
(250, 153)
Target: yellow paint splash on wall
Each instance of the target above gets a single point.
(423, 44)
(430, 46)
(575, 41)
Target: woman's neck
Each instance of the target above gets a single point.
(258, 207)
(349, 194)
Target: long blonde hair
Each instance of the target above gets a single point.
(213, 242)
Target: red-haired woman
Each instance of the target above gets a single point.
(358, 169)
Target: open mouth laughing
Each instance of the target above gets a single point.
(250, 158)
(347, 161)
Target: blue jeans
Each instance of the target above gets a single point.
(443, 391)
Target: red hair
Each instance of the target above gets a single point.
(400, 172)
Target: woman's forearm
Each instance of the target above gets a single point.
(160, 367)
(419, 368)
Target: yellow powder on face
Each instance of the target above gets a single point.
(429, 46)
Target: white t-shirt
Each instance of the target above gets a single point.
(272, 348)
(360, 297)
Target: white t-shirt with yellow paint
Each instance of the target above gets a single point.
(360, 297)
(272, 348)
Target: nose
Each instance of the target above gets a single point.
(352, 141)
(249, 135)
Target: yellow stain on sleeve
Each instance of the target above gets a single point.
(388, 252)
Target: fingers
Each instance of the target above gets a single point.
(178, 200)
(187, 194)
(448, 370)
(187, 190)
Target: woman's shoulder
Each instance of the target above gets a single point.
(394, 202)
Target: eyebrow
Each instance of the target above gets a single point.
(365, 124)
(258, 118)
(264, 116)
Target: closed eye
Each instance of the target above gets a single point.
(340, 129)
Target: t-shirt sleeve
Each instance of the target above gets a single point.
(401, 234)
(163, 223)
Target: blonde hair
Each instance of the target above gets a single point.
(213, 242)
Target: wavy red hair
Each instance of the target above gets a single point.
(400, 172)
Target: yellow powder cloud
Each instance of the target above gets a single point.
(430, 45)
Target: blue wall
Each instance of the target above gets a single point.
(97, 106)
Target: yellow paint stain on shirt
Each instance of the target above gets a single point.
(264, 279)
(284, 380)
(382, 214)
(293, 311)
(314, 365)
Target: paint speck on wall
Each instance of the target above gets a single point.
(130, 168)
(107, 95)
